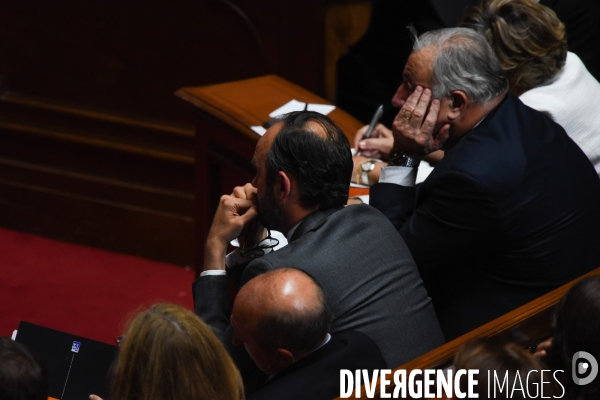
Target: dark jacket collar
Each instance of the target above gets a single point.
(312, 222)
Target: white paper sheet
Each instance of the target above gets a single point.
(295, 105)
(258, 129)
(290, 106)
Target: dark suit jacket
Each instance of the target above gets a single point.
(366, 272)
(317, 376)
(511, 212)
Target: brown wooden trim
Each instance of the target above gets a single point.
(443, 355)
(131, 230)
(108, 144)
(53, 105)
(217, 112)
(95, 200)
(97, 179)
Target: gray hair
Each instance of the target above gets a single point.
(464, 61)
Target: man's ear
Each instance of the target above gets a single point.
(283, 186)
(458, 104)
(285, 358)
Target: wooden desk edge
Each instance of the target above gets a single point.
(347, 123)
(184, 93)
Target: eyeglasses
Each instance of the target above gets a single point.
(261, 248)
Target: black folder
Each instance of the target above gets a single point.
(77, 367)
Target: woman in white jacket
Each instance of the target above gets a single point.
(530, 42)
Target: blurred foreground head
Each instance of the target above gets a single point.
(170, 353)
(21, 375)
(577, 329)
(499, 360)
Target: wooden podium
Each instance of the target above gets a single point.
(225, 143)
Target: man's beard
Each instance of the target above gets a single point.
(270, 214)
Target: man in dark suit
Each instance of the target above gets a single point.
(303, 166)
(282, 318)
(511, 212)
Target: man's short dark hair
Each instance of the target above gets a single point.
(322, 166)
(297, 332)
(21, 375)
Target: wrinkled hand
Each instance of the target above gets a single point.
(253, 232)
(378, 145)
(413, 127)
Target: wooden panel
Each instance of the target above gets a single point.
(90, 111)
(107, 180)
(93, 221)
(164, 140)
(131, 56)
(526, 325)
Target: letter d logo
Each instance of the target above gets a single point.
(580, 368)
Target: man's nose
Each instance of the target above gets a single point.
(399, 98)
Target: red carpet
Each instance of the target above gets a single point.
(80, 290)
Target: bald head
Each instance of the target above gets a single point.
(285, 309)
(281, 291)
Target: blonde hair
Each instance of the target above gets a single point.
(170, 353)
(527, 37)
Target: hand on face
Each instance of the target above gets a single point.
(253, 232)
(414, 126)
(378, 145)
(235, 212)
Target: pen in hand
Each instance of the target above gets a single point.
(374, 122)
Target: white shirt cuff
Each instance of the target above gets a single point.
(213, 272)
(403, 176)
